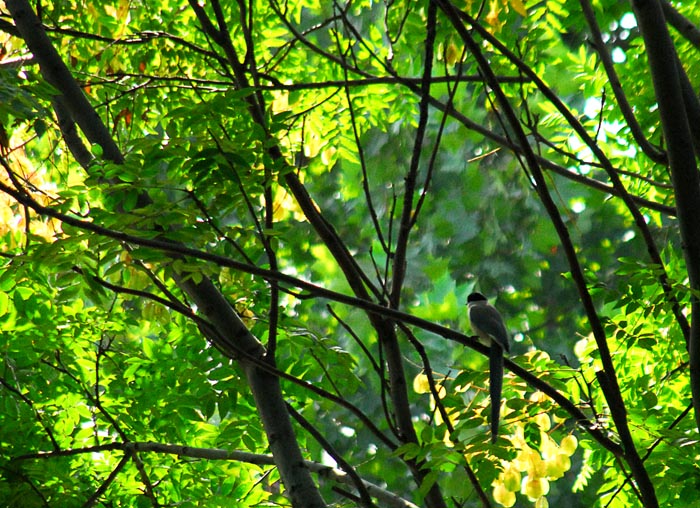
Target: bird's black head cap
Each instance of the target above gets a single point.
(476, 297)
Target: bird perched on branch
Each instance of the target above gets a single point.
(488, 324)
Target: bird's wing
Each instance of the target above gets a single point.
(490, 323)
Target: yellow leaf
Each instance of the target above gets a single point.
(421, 383)
(451, 53)
(492, 16)
(519, 7)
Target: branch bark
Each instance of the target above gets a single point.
(663, 64)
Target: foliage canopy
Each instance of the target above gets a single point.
(237, 240)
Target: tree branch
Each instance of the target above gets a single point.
(264, 387)
(640, 474)
(318, 291)
(618, 186)
(651, 151)
(685, 27)
(57, 74)
(325, 472)
(663, 62)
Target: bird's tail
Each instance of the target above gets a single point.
(495, 386)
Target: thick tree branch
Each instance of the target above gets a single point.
(264, 386)
(685, 27)
(663, 62)
(355, 276)
(57, 74)
(631, 454)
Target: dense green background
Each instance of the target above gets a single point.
(99, 345)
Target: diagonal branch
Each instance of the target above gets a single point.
(617, 185)
(650, 150)
(318, 291)
(410, 180)
(631, 455)
(56, 73)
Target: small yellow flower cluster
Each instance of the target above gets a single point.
(422, 385)
(541, 466)
(532, 470)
